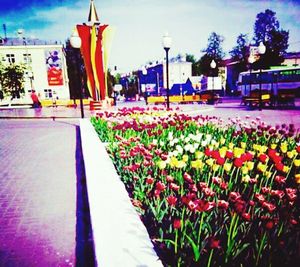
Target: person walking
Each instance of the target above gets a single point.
(35, 100)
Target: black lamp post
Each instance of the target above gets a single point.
(251, 60)
(261, 51)
(167, 42)
(75, 41)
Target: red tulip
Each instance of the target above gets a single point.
(246, 216)
(172, 200)
(280, 179)
(269, 206)
(222, 204)
(160, 186)
(174, 186)
(177, 223)
(259, 197)
(170, 178)
(187, 178)
(263, 158)
(214, 243)
(269, 224)
(229, 154)
(149, 180)
(238, 162)
(220, 161)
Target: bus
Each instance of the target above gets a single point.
(272, 80)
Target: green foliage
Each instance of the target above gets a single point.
(213, 51)
(267, 30)
(241, 52)
(12, 79)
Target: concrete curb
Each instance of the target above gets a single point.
(120, 238)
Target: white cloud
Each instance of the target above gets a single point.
(140, 24)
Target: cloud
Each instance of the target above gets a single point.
(140, 24)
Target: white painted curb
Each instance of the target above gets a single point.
(120, 237)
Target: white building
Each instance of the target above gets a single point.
(179, 72)
(46, 70)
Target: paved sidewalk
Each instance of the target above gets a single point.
(229, 108)
(44, 218)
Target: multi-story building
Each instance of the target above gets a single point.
(45, 65)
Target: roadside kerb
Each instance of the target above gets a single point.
(120, 238)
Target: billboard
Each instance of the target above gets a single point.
(54, 67)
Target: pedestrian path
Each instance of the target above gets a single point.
(44, 218)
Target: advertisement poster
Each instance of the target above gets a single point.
(54, 67)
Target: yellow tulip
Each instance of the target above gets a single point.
(297, 178)
(161, 164)
(215, 167)
(243, 145)
(286, 169)
(268, 174)
(273, 146)
(262, 167)
(230, 146)
(244, 170)
(256, 147)
(237, 152)
(209, 162)
(197, 164)
(290, 154)
(263, 149)
(185, 158)
(222, 140)
(250, 165)
(199, 154)
(283, 147)
(223, 151)
(246, 179)
(173, 161)
(227, 167)
(297, 162)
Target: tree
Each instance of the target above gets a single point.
(214, 52)
(240, 52)
(195, 66)
(267, 30)
(13, 79)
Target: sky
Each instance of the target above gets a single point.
(140, 24)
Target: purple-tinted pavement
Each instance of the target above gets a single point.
(43, 218)
(229, 108)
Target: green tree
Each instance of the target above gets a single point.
(195, 66)
(214, 51)
(267, 30)
(240, 52)
(13, 80)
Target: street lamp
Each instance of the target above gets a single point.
(167, 42)
(251, 60)
(213, 65)
(30, 76)
(261, 51)
(75, 41)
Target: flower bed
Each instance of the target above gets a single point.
(211, 193)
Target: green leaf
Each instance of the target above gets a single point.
(194, 247)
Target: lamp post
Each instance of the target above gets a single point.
(30, 76)
(261, 51)
(251, 60)
(75, 41)
(213, 65)
(167, 42)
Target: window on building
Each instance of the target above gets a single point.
(48, 93)
(10, 58)
(27, 58)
